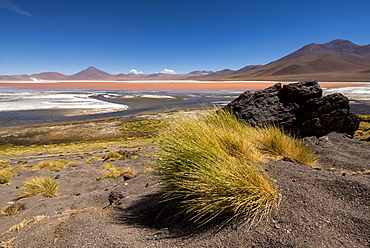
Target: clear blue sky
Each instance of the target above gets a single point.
(67, 36)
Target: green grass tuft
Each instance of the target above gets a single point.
(112, 155)
(3, 181)
(113, 172)
(364, 129)
(46, 186)
(145, 126)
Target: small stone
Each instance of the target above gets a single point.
(115, 197)
(128, 177)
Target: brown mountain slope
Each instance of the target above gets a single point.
(321, 66)
(318, 63)
(338, 60)
(91, 73)
(218, 74)
(49, 76)
(333, 46)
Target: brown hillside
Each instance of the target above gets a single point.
(91, 73)
(338, 60)
(50, 76)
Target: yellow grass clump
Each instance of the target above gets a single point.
(363, 131)
(51, 165)
(89, 160)
(284, 146)
(113, 154)
(209, 166)
(113, 172)
(6, 172)
(144, 126)
(128, 171)
(46, 186)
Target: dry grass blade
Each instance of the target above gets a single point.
(13, 209)
(23, 224)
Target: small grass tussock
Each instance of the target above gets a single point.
(113, 172)
(128, 171)
(284, 146)
(52, 165)
(55, 164)
(6, 173)
(144, 126)
(210, 166)
(4, 165)
(46, 186)
(22, 162)
(89, 160)
(113, 155)
(82, 156)
(3, 181)
(364, 129)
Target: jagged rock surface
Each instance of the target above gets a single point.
(298, 108)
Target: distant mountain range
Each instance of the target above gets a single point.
(338, 60)
(93, 73)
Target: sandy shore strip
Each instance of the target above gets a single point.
(184, 86)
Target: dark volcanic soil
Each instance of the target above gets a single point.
(320, 207)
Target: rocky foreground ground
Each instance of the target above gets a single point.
(328, 206)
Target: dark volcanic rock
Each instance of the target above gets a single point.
(298, 108)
